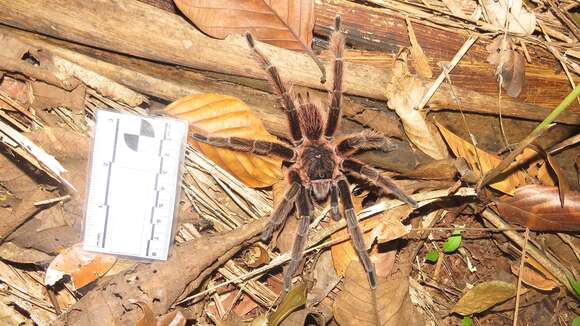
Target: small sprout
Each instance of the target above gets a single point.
(453, 242)
(432, 256)
(466, 321)
(575, 285)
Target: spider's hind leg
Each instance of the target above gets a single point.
(355, 232)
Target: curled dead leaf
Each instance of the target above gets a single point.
(539, 208)
(255, 256)
(388, 305)
(519, 19)
(226, 116)
(533, 278)
(293, 300)
(284, 23)
(83, 267)
(404, 92)
(510, 66)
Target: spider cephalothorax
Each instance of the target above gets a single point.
(318, 161)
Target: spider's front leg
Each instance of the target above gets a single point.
(281, 211)
(375, 177)
(304, 206)
(259, 147)
(355, 232)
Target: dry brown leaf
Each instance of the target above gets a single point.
(404, 92)
(434, 170)
(283, 23)
(388, 305)
(226, 116)
(539, 208)
(484, 296)
(255, 256)
(379, 227)
(519, 20)
(174, 318)
(420, 61)
(466, 150)
(82, 266)
(510, 66)
(533, 278)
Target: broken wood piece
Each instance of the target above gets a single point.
(34, 154)
(35, 72)
(150, 37)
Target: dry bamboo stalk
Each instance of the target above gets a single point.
(162, 36)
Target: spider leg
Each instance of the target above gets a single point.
(366, 139)
(374, 176)
(355, 232)
(281, 211)
(304, 210)
(337, 41)
(259, 147)
(280, 89)
(334, 213)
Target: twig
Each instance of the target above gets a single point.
(521, 272)
(445, 70)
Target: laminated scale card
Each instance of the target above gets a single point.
(134, 183)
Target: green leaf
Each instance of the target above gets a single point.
(432, 256)
(484, 296)
(452, 243)
(576, 321)
(467, 321)
(575, 285)
(295, 299)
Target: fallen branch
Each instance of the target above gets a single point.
(158, 284)
(144, 31)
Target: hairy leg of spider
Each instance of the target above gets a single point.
(355, 233)
(334, 213)
(337, 48)
(280, 88)
(259, 147)
(281, 211)
(374, 176)
(366, 139)
(304, 208)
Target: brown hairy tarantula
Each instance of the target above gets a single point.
(317, 162)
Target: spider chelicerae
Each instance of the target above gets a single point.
(318, 162)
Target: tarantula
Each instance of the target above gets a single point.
(318, 162)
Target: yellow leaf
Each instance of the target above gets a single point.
(226, 116)
(465, 149)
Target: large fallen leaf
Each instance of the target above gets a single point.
(226, 116)
(83, 267)
(284, 23)
(388, 305)
(404, 92)
(510, 66)
(539, 208)
(484, 296)
(465, 149)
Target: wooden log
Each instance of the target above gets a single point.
(169, 83)
(374, 29)
(141, 30)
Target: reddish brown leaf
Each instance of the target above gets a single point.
(510, 65)
(284, 23)
(538, 208)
